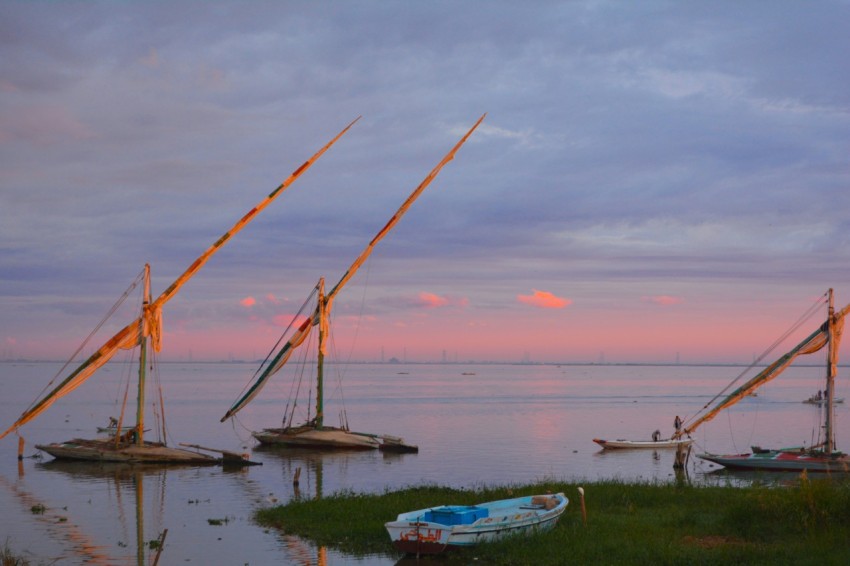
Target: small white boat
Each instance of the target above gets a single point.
(620, 444)
(431, 531)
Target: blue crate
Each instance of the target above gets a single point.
(456, 514)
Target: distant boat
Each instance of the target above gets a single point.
(315, 433)
(823, 457)
(433, 530)
(819, 399)
(127, 443)
(621, 444)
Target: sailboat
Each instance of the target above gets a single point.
(315, 433)
(823, 457)
(127, 444)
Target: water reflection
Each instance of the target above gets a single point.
(493, 428)
(305, 469)
(310, 467)
(55, 522)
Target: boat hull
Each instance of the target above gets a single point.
(109, 451)
(631, 444)
(782, 460)
(431, 531)
(821, 402)
(311, 437)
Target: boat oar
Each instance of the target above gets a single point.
(583, 509)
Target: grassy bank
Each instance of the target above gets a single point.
(808, 523)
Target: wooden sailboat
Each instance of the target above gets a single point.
(128, 443)
(315, 433)
(823, 457)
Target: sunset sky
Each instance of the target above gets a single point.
(654, 181)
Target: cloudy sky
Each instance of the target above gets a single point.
(653, 181)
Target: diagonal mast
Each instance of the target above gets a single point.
(399, 213)
(827, 334)
(323, 308)
(131, 334)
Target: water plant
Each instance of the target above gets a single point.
(9, 558)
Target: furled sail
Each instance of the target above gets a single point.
(318, 317)
(126, 339)
(813, 343)
(276, 363)
(150, 322)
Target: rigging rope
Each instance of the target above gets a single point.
(109, 314)
(297, 317)
(808, 314)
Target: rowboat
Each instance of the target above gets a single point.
(621, 444)
(434, 530)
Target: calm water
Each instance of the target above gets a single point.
(497, 424)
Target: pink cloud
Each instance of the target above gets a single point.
(430, 300)
(663, 300)
(427, 300)
(248, 302)
(544, 300)
(272, 299)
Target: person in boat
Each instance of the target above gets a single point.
(820, 395)
(656, 436)
(677, 423)
(113, 422)
(128, 437)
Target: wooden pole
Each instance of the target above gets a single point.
(583, 508)
(160, 547)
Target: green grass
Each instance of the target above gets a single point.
(807, 523)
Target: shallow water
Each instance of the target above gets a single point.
(474, 424)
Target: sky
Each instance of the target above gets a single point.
(654, 181)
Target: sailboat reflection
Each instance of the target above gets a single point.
(79, 545)
(122, 478)
(304, 468)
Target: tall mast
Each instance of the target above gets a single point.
(832, 354)
(129, 336)
(827, 335)
(399, 213)
(143, 354)
(323, 326)
(322, 313)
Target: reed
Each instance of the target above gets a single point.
(804, 523)
(9, 558)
